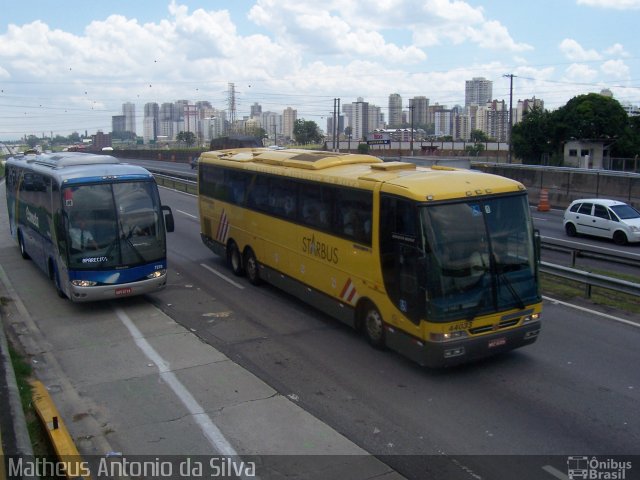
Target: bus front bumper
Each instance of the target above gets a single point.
(105, 292)
(448, 354)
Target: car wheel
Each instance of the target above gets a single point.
(252, 268)
(570, 228)
(620, 238)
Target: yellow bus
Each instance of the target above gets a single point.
(438, 264)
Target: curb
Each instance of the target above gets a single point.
(60, 438)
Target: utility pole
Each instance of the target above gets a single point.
(334, 128)
(337, 129)
(510, 76)
(411, 109)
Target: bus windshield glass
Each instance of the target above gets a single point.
(111, 225)
(479, 256)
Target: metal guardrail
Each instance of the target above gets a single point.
(185, 184)
(180, 183)
(593, 253)
(591, 279)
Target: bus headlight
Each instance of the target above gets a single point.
(83, 283)
(448, 337)
(531, 318)
(157, 274)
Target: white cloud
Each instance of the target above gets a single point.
(615, 68)
(617, 50)
(580, 73)
(614, 4)
(576, 53)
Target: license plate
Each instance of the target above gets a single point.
(496, 342)
(124, 291)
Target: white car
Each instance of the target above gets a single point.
(603, 218)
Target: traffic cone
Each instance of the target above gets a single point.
(543, 204)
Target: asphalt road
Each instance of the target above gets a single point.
(575, 391)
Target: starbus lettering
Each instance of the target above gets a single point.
(32, 218)
(319, 249)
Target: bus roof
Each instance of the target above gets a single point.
(77, 166)
(365, 171)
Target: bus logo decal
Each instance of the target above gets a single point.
(349, 293)
(223, 228)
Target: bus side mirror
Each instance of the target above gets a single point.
(168, 218)
(538, 244)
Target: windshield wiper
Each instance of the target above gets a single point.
(510, 287)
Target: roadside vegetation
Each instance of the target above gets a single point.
(39, 439)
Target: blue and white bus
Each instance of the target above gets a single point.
(94, 225)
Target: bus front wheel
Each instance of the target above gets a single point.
(373, 326)
(235, 259)
(23, 251)
(251, 267)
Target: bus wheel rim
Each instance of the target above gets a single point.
(373, 325)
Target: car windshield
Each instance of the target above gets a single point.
(625, 212)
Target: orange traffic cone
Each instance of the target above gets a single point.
(543, 204)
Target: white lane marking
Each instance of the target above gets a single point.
(540, 219)
(555, 472)
(209, 429)
(594, 312)
(222, 276)
(187, 214)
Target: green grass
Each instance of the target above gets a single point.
(569, 290)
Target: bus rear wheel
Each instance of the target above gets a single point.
(373, 326)
(251, 267)
(235, 259)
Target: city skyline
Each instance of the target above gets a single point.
(71, 67)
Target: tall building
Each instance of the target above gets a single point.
(525, 106)
(418, 107)
(256, 110)
(395, 110)
(118, 123)
(478, 91)
(150, 122)
(129, 112)
(289, 117)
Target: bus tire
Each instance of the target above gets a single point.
(234, 258)
(53, 275)
(251, 266)
(373, 325)
(23, 251)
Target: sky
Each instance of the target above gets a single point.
(70, 65)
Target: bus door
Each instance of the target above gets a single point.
(402, 257)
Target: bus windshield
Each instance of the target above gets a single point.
(111, 225)
(479, 257)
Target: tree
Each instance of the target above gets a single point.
(479, 136)
(532, 137)
(306, 131)
(592, 116)
(188, 138)
(363, 148)
(475, 150)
